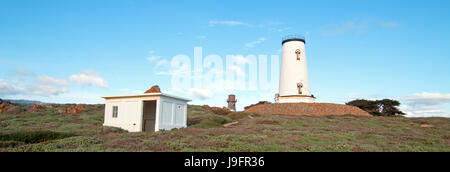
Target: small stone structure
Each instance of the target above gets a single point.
(232, 102)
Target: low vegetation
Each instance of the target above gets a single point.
(50, 129)
(34, 137)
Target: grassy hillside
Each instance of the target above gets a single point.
(47, 129)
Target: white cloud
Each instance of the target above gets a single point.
(270, 24)
(153, 58)
(164, 73)
(46, 90)
(280, 30)
(39, 86)
(428, 98)
(89, 77)
(7, 89)
(254, 43)
(80, 97)
(162, 62)
(23, 72)
(390, 24)
(344, 28)
(201, 93)
(241, 59)
(46, 80)
(180, 71)
(227, 23)
(426, 105)
(47, 86)
(198, 93)
(159, 62)
(236, 69)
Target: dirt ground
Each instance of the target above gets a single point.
(309, 109)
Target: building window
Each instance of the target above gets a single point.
(115, 111)
(298, 52)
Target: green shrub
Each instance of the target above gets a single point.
(214, 121)
(72, 144)
(221, 120)
(220, 111)
(15, 109)
(4, 124)
(385, 107)
(207, 124)
(34, 137)
(240, 115)
(269, 122)
(113, 130)
(9, 144)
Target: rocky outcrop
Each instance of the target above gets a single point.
(36, 107)
(206, 107)
(4, 106)
(80, 107)
(220, 111)
(73, 109)
(217, 110)
(154, 89)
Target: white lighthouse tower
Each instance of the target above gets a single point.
(294, 80)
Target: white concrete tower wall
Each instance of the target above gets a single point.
(294, 81)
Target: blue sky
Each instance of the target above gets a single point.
(78, 50)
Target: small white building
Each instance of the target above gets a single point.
(148, 112)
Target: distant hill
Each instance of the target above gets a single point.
(25, 102)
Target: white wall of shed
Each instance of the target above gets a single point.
(170, 117)
(130, 114)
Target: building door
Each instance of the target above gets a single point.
(149, 116)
